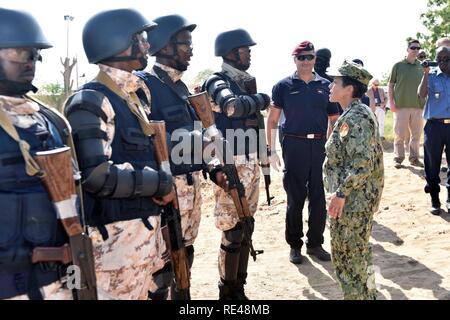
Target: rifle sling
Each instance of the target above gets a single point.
(135, 106)
(31, 166)
(164, 77)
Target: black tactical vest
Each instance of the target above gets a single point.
(129, 145)
(27, 216)
(177, 113)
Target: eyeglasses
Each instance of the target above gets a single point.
(185, 46)
(21, 55)
(414, 48)
(304, 57)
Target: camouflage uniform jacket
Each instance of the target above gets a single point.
(354, 159)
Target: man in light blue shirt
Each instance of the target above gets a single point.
(435, 86)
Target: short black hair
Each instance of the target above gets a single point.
(359, 89)
(410, 41)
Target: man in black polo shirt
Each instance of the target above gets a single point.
(303, 97)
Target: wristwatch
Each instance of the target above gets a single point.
(340, 194)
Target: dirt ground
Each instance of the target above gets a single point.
(411, 247)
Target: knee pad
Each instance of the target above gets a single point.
(232, 239)
(163, 279)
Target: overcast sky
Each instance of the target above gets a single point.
(373, 31)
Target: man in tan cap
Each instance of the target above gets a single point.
(354, 175)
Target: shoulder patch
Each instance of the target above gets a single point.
(343, 130)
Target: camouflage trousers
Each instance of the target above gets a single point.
(53, 291)
(190, 203)
(125, 261)
(225, 212)
(352, 255)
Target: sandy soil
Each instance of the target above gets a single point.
(411, 247)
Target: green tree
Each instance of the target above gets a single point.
(437, 21)
(51, 94)
(202, 76)
(385, 78)
(51, 89)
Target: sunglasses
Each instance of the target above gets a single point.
(304, 57)
(414, 48)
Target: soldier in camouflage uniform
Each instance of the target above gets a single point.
(123, 188)
(171, 44)
(354, 174)
(28, 218)
(235, 110)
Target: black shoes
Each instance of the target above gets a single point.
(319, 253)
(295, 256)
(435, 204)
(231, 290)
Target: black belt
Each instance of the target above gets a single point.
(311, 136)
(445, 121)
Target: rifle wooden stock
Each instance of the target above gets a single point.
(177, 249)
(58, 180)
(52, 254)
(57, 164)
(159, 141)
(202, 106)
(180, 268)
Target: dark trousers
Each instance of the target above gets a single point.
(437, 136)
(302, 179)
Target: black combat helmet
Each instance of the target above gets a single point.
(324, 53)
(168, 26)
(110, 32)
(20, 29)
(229, 40)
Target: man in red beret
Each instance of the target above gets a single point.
(303, 97)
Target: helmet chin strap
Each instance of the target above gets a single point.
(174, 58)
(236, 61)
(13, 88)
(135, 50)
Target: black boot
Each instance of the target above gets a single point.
(242, 280)
(227, 290)
(435, 204)
(163, 279)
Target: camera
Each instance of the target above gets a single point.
(429, 63)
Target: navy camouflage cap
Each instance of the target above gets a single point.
(353, 71)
